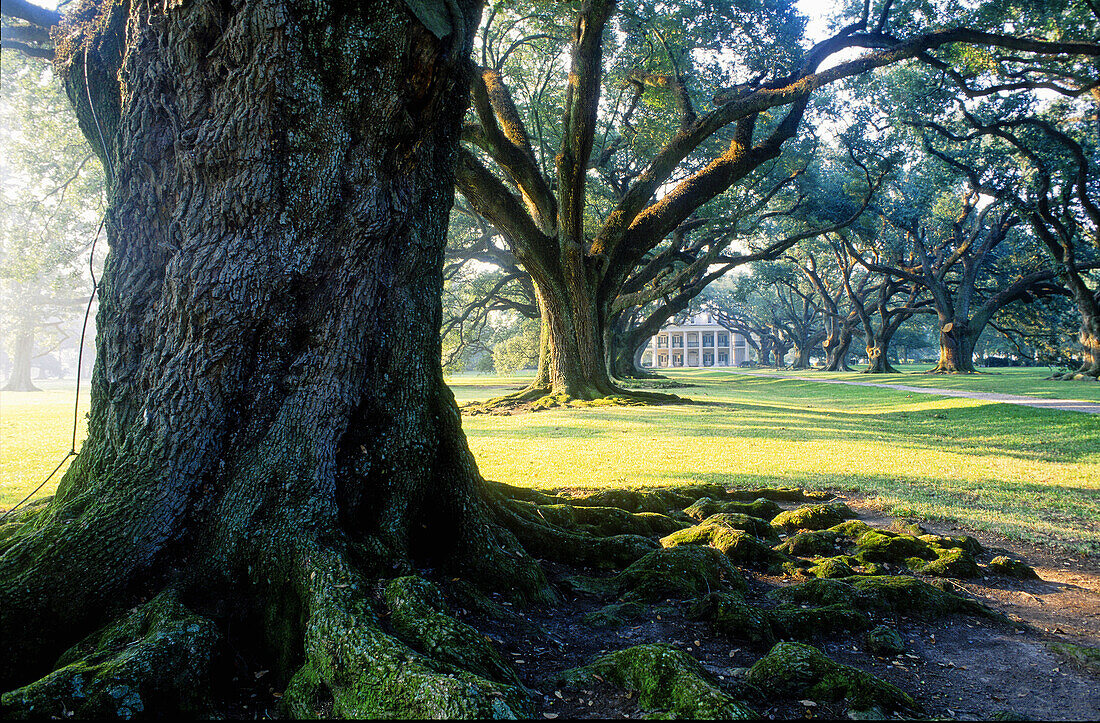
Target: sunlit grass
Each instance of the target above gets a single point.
(35, 433)
(1025, 381)
(1029, 473)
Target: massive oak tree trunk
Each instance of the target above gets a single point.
(802, 354)
(836, 348)
(878, 350)
(625, 350)
(956, 348)
(269, 426)
(577, 339)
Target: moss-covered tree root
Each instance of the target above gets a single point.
(669, 682)
(799, 670)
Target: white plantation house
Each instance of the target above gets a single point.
(699, 342)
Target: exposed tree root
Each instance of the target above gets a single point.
(354, 669)
(356, 642)
(667, 680)
(154, 661)
(1086, 373)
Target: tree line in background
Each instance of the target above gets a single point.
(950, 196)
(959, 201)
(51, 201)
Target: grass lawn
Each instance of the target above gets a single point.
(36, 430)
(1028, 382)
(1029, 473)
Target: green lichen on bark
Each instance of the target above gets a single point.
(798, 670)
(154, 661)
(669, 682)
(353, 668)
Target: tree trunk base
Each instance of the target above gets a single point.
(346, 644)
(941, 369)
(539, 398)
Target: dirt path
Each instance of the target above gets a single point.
(1067, 405)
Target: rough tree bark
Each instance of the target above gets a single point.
(269, 429)
(956, 348)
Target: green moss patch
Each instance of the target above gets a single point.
(730, 615)
(686, 571)
(795, 622)
(884, 641)
(1083, 655)
(705, 507)
(897, 594)
(953, 562)
(884, 546)
(755, 526)
(961, 542)
(615, 615)
(813, 517)
(811, 544)
(780, 494)
(1008, 567)
(832, 567)
(670, 683)
(798, 670)
(738, 545)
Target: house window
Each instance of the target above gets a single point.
(693, 339)
(677, 342)
(723, 359)
(708, 360)
(708, 339)
(739, 340)
(662, 342)
(662, 360)
(723, 339)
